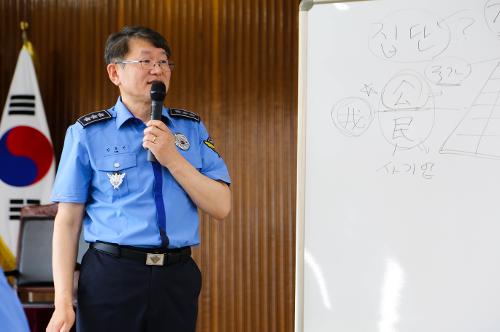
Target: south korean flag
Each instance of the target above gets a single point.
(27, 165)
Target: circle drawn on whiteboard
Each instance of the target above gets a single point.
(407, 114)
(492, 16)
(26, 156)
(352, 116)
(405, 91)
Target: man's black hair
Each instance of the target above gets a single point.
(117, 44)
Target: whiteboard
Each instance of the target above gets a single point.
(398, 194)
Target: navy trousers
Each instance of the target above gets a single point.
(117, 294)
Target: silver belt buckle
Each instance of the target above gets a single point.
(155, 259)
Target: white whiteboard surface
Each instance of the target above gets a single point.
(398, 196)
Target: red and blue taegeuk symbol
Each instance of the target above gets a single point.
(25, 156)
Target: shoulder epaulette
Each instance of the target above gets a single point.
(177, 112)
(94, 117)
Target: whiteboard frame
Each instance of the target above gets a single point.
(304, 8)
(302, 119)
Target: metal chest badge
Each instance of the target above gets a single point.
(182, 142)
(116, 179)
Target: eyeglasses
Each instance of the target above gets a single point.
(164, 65)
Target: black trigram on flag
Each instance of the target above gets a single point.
(17, 204)
(22, 105)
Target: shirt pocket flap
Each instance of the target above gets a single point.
(117, 162)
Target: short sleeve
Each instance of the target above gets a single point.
(213, 165)
(74, 171)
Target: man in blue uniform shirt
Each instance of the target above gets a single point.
(140, 217)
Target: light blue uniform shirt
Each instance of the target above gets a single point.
(12, 317)
(127, 215)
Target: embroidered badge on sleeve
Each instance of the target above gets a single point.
(210, 143)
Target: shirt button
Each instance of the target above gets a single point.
(116, 165)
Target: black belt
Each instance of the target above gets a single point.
(143, 255)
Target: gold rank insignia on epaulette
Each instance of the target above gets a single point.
(177, 112)
(210, 143)
(94, 117)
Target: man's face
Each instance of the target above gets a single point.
(132, 79)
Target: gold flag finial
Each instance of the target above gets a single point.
(24, 27)
(26, 43)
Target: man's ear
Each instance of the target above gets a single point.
(113, 73)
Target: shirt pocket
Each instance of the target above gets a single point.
(115, 173)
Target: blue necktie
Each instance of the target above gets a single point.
(160, 207)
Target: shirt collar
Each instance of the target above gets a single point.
(123, 114)
(166, 115)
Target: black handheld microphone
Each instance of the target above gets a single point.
(158, 92)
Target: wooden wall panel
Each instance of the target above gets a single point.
(236, 65)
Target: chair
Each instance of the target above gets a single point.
(34, 280)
